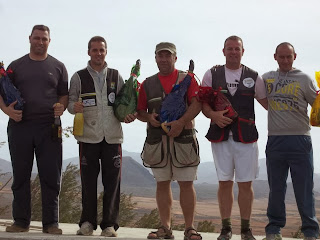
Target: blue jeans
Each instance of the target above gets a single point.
(294, 153)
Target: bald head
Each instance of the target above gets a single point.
(285, 44)
(285, 56)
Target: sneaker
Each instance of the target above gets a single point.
(109, 232)
(52, 230)
(14, 228)
(246, 234)
(86, 229)
(272, 236)
(226, 234)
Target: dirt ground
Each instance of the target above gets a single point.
(205, 210)
(209, 210)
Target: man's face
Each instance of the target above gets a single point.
(285, 57)
(166, 62)
(39, 42)
(233, 52)
(97, 53)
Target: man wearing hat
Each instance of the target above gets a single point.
(172, 155)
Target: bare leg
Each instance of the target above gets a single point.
(187, 201)
(225, 198)
(245, 199)
(164, 203)
(188, 204)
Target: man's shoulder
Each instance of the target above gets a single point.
(249, 69)
(81, 70)
(151, 77)
(216, 67)
(112, 69)
(53, 60)
(270, 74)
(19, 61)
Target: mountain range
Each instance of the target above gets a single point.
(138, 180)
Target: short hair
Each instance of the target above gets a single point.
(96, 39)
(233, 38)
(41, 28)
(287, 44)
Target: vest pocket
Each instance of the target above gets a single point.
(216, 134)
(185, 150)
(152, 152)
(247, 130)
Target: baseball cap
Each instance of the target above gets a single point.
(166, 46)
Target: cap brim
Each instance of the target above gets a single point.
(165, 49)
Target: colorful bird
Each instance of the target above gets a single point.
(8, 91)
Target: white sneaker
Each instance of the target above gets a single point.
(86, 229)
(109, 232)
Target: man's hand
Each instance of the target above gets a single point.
(16, 115)
(176, 128)
(58, 109)
(152, 119)
(218, 118)
(78, 107)
(130, 117)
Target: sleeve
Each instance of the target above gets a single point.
(260, 89)
(207, 79)
(63, 82)
(142, 99)
(311, 90)
(74, 92)
(193, 89)
(12, 74)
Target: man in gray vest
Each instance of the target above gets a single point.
(97, 86)
(234, 146)
(172, 155)
(289, 146)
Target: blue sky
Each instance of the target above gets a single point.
(133, 28)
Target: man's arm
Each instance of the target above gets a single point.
(74, 105)
(216, 116)
(263, 102)
(151, 118)
(261, 92)
(177, 126)
(16, 115)
(59, 108)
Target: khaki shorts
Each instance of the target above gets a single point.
(170, 172)
(172, 158)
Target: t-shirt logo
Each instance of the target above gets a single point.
(248, 82)
(269, 85)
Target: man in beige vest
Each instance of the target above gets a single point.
(172, 155)
(100, 145)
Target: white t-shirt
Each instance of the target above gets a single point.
(233, 79)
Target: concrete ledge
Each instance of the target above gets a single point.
(69, 232)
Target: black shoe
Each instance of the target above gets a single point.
(226, 234)
(14, 228)
(246, 234)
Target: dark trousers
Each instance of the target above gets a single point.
(110, 156)
(27, 139)
(294, 153)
